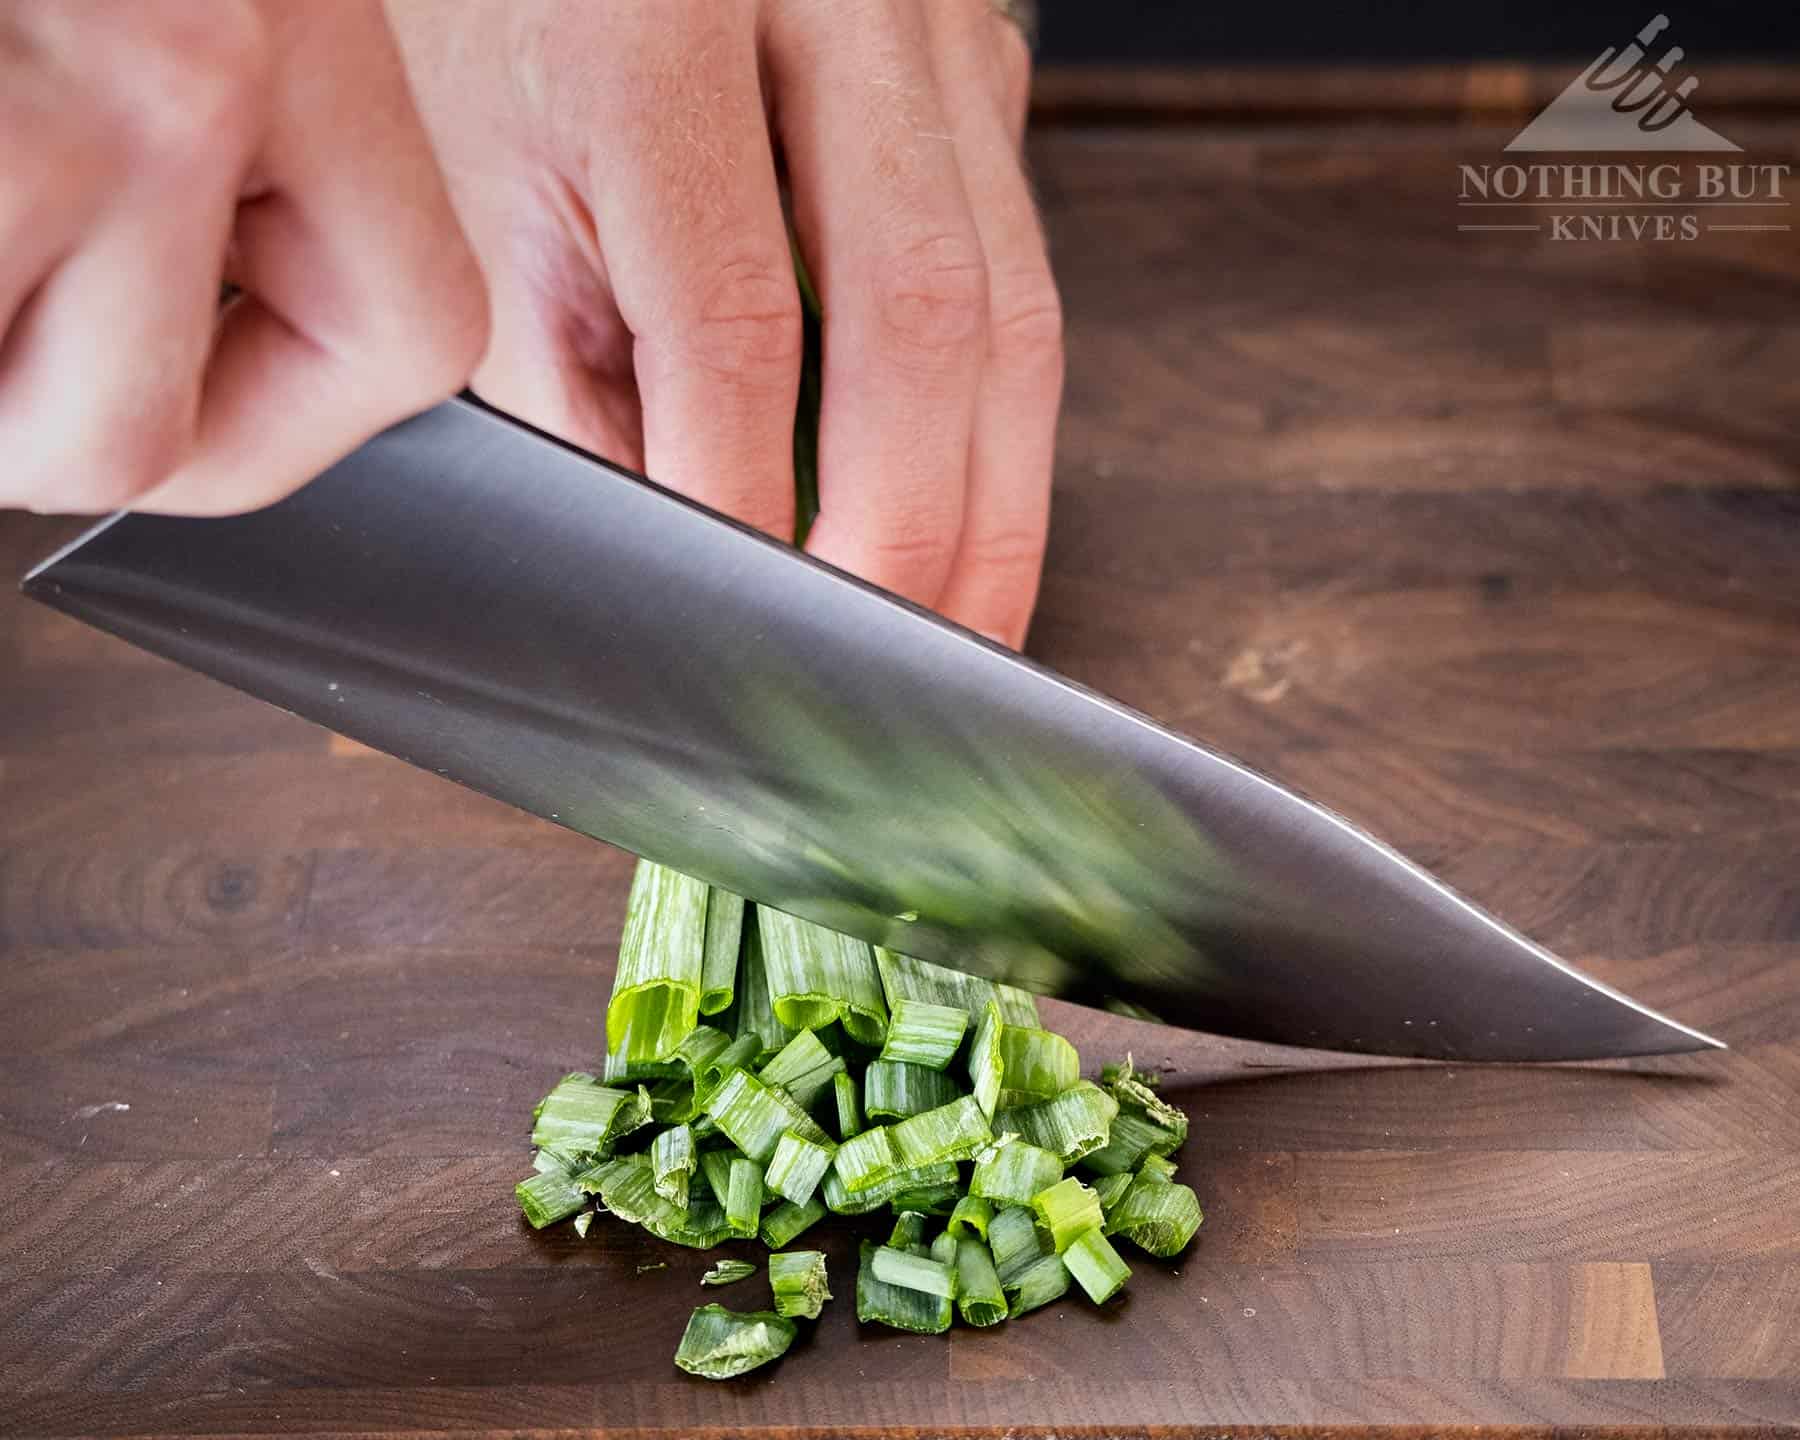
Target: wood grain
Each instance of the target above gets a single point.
(1494, 548)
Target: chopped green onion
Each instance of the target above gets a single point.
(797, 1167)
(1156, 1214)
(899, 1091)
(1011, 1171)
(909, 1231)
(914, 1272)
(715, 1166)
(798, 1281)
(922, 1189)
(719, 954)
(880, 1303)
(728, 1272)
(1128, 1142)
(549, 1196)
(656, 988)
(950, 1132)
(1067, 1209)
(985, 1068)
(866, 1159)
(1014, 1240)
(1074, 1124)
(788, 1221)
(721, 1343)
(580, 1116)
(740, 1054)
(1111, 1190)
(1159, 1165)
(743, 1196)
(1043, 1280)
(921, 1033)
(1092, 1260)
(943, 1250)
(904, 978)
(753, 1115)
(816, 976)
(849, 1111)
(971, 1215)
(979, 1298)
(753, 1015)
(583, 1222)
(627, 1187)
(803, 1067)
(551, 1158)
(672, 1162)
(1035, 1065)
(1135, 1096)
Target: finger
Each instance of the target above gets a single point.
(994, 579)
(103, 369)
(885, 226)
(364, 304)
(689, 221)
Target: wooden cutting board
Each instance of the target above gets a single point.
(1492, 545)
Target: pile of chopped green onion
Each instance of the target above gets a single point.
(761, 1071)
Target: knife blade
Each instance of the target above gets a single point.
(488, 603)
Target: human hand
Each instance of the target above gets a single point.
(151, 151)
(615, 166)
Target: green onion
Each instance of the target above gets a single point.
(921, 1033)
(943, 1250)
(719, 952)
(583, 1222)
(950, 1132)
(627, 1187)
(1135, 1096)
(740, 1054)
(849, 1111)
(1156, 1215)
(672, 1162)
(753, 1015)
(1111, 1190)
(866, 1159)
(919, 1189)
(979, 1298)
(803, 1067)
(797, 1166)
(816, 976)
(1128, 1142)
(1014, 1240)
(743, 1196)
(715, 1166)
(1074, 1124)
(721, 1343)
(931, 1196)
(728, 1272)
(1011, 1171)
(1035, 1065)
(549, 1196)
(797, 1279)
(904, 978)
(656, 988)
(985, 1069)
(971, 1215)
(1092, 1260)
(754, 1116)
(914, 1272)
(788, 1221)
(1067, 1209)
(1159, 1165)
(909, 1232)
(1043, 1280)
(580, 1116)
(899, 1091)
(878, 1302)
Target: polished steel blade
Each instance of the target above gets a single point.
(484, 602)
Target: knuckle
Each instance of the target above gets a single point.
(932, 296)
(1011, 552)
(747, 322)
(1028, 325)
(198, 79)
(428, 352)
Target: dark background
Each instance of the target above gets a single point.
(1202, 31)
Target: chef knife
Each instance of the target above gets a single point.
(483, 601)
